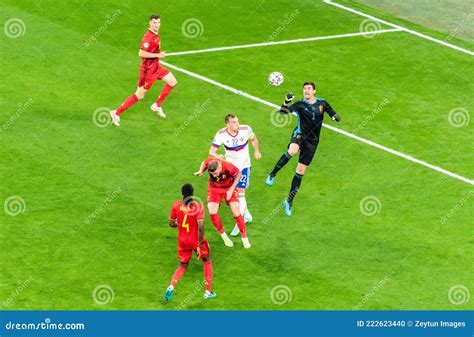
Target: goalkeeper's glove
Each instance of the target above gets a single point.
(289, 97)
(336, 118)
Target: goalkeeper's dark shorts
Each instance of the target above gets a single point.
(307, 148)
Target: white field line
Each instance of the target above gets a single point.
(423, 36)
(273, 43)
(345, 133)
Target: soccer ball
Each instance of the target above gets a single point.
(275, 78)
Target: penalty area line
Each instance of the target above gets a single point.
(274, 43)
(332, 128)
(410, 31)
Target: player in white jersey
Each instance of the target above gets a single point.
(235, 139)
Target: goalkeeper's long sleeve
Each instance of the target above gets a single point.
(285, 109)
(330, 111)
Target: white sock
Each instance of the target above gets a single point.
(243, 203)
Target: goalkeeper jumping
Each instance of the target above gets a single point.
(305, 137)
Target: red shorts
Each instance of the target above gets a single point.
(147, 79)
(185, 252)
(216, 194)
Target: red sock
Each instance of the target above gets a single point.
(241, 224)
(177, 275)
(216, 221)
(164, 93)
(208, 275)
(127, 104)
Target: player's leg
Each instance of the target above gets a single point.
(245, 185)
(206, 259)
(166, 76)
(295, 186)
(179, 272)
(239, 219)
(131, 100)
(307, 152)
(213, 207)
(171, 82)
(241, 188)
(293, 149)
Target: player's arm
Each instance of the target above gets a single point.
(147, 55)
(173, 217)
(173, 223)
(285, 107)
(231, 189)
(256, 152)
(202, 169)
(200, 235)
(330, 111)
(213, 152)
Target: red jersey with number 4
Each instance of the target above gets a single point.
(226, 178)
(151, 44)
(187, 217)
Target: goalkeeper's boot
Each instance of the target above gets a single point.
(169, 293)
(209, 294)
(270, 180)
(158, 110)
(287, 207)
(115, 118)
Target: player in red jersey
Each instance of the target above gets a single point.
(223, 179)
(150, 71)
(188, 216)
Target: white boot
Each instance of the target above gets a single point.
(115, 118)
(235, 231)
(158, 110)
(246, 243)
(228, 242)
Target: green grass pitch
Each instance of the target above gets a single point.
(396, 89)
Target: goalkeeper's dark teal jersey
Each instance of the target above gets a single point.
(310, 117)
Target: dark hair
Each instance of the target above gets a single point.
(187, 191)
(229, 116)
(311, 84)
(154, 16)
(212, 166)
